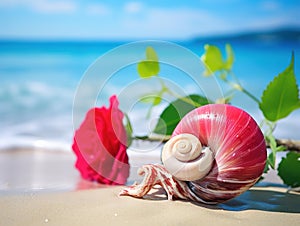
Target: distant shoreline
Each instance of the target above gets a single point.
(282, 34)
(278, 34)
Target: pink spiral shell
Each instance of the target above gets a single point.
(232, 157)
(238, 147)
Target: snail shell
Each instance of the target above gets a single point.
(218, 150)
(185, 158)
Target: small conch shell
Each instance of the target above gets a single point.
(185, 158)
(216, 152)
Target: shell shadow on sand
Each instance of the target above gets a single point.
(264, 197)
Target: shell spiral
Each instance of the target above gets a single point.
(185, 158)
(237, 147)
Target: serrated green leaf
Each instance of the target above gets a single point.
(289, 169)
(150, 66)
(280, 97)
(172, 114)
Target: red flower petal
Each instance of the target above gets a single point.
(100, 145)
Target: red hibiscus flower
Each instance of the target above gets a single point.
(100, 145)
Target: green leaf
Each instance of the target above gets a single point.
(272, 159)
(230, 57)
(151, 54)
(213, 61)
(280, 97)
(147, 69)
(150, 66)
(172, 114)
(289, 169)
(157, 100)
(267, 168)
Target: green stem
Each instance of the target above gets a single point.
(250, 95)
(237, 86)
(185, 99)
(291, 145)
(162, 138)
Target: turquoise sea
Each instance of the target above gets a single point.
(39, 81)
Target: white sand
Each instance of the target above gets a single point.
(68, 200)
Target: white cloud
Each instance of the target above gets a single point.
(98, 9)
(11, 3)
(272, 22)
(183, 23)
(42, 6)
(133, 7)
(176, 22)
(137, 20)
(47, 6)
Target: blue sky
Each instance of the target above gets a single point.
(159, 19)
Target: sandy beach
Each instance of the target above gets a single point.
(40, 187)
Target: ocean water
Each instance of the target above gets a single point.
(46, 87)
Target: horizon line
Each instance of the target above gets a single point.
(224, 35)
